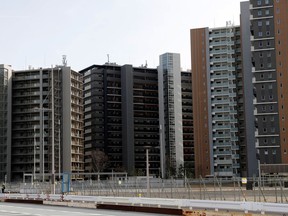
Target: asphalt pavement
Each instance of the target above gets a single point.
(18, 209)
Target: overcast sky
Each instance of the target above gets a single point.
(39, 32)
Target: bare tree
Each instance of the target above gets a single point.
(99, 160)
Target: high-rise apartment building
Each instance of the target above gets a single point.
(170, 110)
(122, 117)
(47, 123)
(269, 37)
(187, 124)
(5, 121)
(218, 105)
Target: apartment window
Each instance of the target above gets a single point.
(274, 152)
(260, 34)
(267, 22)
(277, 10)
(266, 1)
(259, 13)
(264, 107)
(273, 140)
(265, 141)
(271, 108)
(268, 54)
(270, 86)
(267, 12)
(264, 130)
(269, 65)
(263, 97)
(264, 119)
(262, 87)
(260, 43)
(271, 97)
(272, 118)
(268, 43)
(270, 75)
(261, 65)
(260, 54)
(267, 33)
(262, 76)
(259, 23)
(259, 2)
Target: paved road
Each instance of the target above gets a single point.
(13, 209)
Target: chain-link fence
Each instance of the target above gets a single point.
(259, 190)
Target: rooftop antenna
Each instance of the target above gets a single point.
(64, 60)
(146, 64)
(108, 58)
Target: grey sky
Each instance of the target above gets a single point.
(39, 32)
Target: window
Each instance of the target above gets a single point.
(270, 86)
(268, 43)
(259, 13)
(271, 108)
(266, 1)
(271, 97)
(272, 118)
(270, 75)
(267, 12)
(259, 2)
(268, 54)
(277, 10)
(273, 140)
(264, 130)
(260, 44)
(260, 54)
(262, 75)
(267, 22)
(269, 65)
(264, 119)
(263, 108)
(260, 34)
(266, 151)
(262, 87)
(267, 33)
(259, 23)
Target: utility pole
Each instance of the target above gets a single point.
(53, 135)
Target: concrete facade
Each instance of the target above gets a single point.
(43, 101)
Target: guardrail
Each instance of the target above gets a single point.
(247, 207)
